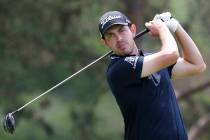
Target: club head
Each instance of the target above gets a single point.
(9, 123)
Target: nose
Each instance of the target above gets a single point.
(118, 37)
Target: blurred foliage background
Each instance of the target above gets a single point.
(43, 42)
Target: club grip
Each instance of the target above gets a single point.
(146, 30)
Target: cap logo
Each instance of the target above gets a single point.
(107, 19)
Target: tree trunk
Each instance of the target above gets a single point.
(134, 10)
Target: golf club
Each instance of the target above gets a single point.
(9, 121)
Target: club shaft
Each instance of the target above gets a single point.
(68, 78)
(144, 31)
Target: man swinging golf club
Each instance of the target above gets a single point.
(142, 72)
(141, 82)
(9, 120)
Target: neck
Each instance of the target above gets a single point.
(135, 51)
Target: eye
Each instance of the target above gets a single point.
(108, 36)
(123, 29)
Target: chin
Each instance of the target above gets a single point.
(124, 52)
(127, 52)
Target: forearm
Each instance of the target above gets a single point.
(191, 61)
(168, 53)
(168, 42)
(189, 48)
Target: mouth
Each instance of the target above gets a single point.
(122, 45)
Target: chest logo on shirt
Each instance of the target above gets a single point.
(155, 77)
(132, 60)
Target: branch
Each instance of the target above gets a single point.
(191, 91)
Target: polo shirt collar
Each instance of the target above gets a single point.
(114, 56)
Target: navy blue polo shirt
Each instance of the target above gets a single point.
(148, 105)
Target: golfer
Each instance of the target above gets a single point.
(141, 82)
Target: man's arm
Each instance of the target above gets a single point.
(168, 53)
(191, 61)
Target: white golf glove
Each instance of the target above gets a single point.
(166, 17)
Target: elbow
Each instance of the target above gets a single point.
(176, 55)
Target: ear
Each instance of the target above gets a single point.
(133, 29)
(103, 42)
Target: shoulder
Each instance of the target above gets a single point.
(125, 68)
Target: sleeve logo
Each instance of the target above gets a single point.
(132, 60)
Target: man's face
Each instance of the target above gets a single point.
(119, 38)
